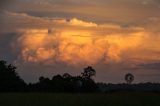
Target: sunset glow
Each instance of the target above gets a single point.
(109, 35)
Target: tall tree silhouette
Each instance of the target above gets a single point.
(9, 79)
(88, 72)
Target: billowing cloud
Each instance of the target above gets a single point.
(79, 42)
(50, 44)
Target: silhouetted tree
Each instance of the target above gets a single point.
(41, 79)
(9, 79)
(88, 72)
(58, 83)
(66, 75)
(44, 84)
(88, 83)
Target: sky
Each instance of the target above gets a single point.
(49, 37)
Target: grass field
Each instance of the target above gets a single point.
(51, 99)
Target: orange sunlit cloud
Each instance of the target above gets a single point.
(81, 43)
(46, 37)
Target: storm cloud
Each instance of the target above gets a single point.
(45, 37)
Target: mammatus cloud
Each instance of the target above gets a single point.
(79, 43)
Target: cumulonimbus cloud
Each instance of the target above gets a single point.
(76, 42)
(79, 42)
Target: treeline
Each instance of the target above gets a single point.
(65, 83)
(10, 81)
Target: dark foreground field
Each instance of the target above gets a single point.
(51, 99)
